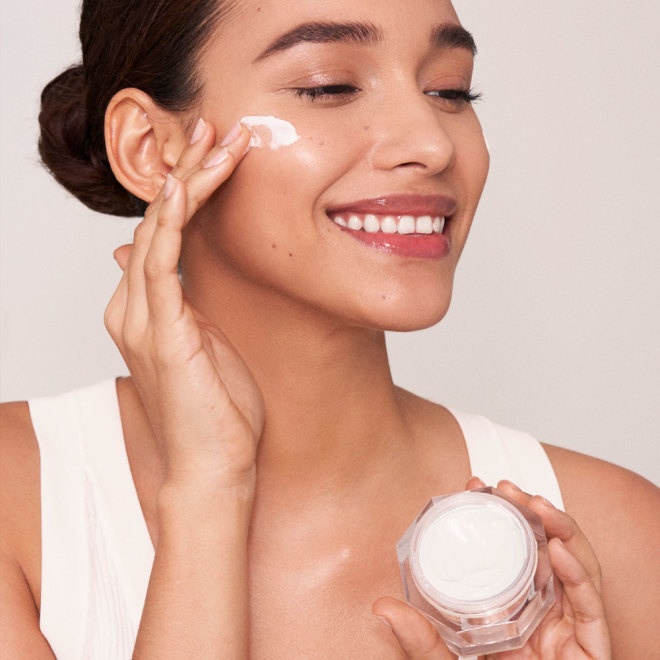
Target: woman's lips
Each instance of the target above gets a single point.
(405, 225)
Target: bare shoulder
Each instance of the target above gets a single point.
(592, 488)
(20, 506)
(619, 512)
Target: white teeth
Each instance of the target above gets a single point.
(354, 223)
(407, 225)
(371, 224)
(424, 225)
(391, 224)
(438, 225)
(388, 225)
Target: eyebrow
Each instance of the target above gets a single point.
(446, 35)
(450, 35)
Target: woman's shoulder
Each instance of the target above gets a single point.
(619, 512)
(589, 484)
(19, 468)
(609, 502)
(20, 506)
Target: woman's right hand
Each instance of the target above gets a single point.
(203, 404)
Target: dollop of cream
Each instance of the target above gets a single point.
(473, 552)
(270, 131)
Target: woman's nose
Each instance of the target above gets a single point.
(409, 133)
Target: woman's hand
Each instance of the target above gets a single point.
(207, 414)
(574, 628)
(202, 402)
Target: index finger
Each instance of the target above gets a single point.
(558, 524)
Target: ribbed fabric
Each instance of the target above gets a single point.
(96, 551)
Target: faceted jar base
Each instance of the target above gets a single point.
(470, 632)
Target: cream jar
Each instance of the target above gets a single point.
(476, 564)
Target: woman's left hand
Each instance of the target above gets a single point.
(574, 628)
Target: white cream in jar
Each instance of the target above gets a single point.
(473, 552)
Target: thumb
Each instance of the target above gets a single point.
(415, 634)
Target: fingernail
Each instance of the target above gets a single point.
(200, 127)
(234, 132)
(170, 184)
(217, 158)
(384, 620)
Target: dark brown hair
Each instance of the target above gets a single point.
(153, 45)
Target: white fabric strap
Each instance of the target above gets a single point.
(497, 452)
(96, 551)
(65, 558)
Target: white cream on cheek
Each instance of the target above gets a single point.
(473, 552)
(270, 131)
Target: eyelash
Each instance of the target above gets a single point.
(457, 96)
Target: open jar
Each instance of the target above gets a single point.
(476, 563)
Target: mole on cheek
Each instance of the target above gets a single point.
(273, 246)
(290, 254)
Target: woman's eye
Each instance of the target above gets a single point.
(455, 96)
(325, 91)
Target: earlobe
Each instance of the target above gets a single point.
(142, 142)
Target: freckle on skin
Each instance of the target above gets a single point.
(273, 246)
(321, 143)
(366, 128)
(290, 254)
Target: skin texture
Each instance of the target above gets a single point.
(260, 419)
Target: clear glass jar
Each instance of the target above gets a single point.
(476, 563)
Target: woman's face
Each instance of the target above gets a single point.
(376, 92)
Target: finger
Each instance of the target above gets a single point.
(203, 179)
(513, 491)
(122, 255)
(136, 302)
(162, 285)
(558, 524)
(474, 482)
(415, 634)
(201, 141)
(115, 311)
(587, 612)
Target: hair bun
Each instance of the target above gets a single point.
(75, 158)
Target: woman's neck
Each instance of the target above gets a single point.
(332, 411)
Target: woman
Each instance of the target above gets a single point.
(274, 461)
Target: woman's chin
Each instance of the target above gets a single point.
(408, 316)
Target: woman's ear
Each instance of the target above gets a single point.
(143, 142)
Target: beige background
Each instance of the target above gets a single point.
(555, 321)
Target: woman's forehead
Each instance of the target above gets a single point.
(274, 25)
(291, 11)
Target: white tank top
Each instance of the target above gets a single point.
(96, 550)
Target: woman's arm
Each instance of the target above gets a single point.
(206, 413)
(20, 521)
(619, 512)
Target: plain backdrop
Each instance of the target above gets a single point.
(554, 326)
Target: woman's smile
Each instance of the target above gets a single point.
(402, 225)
